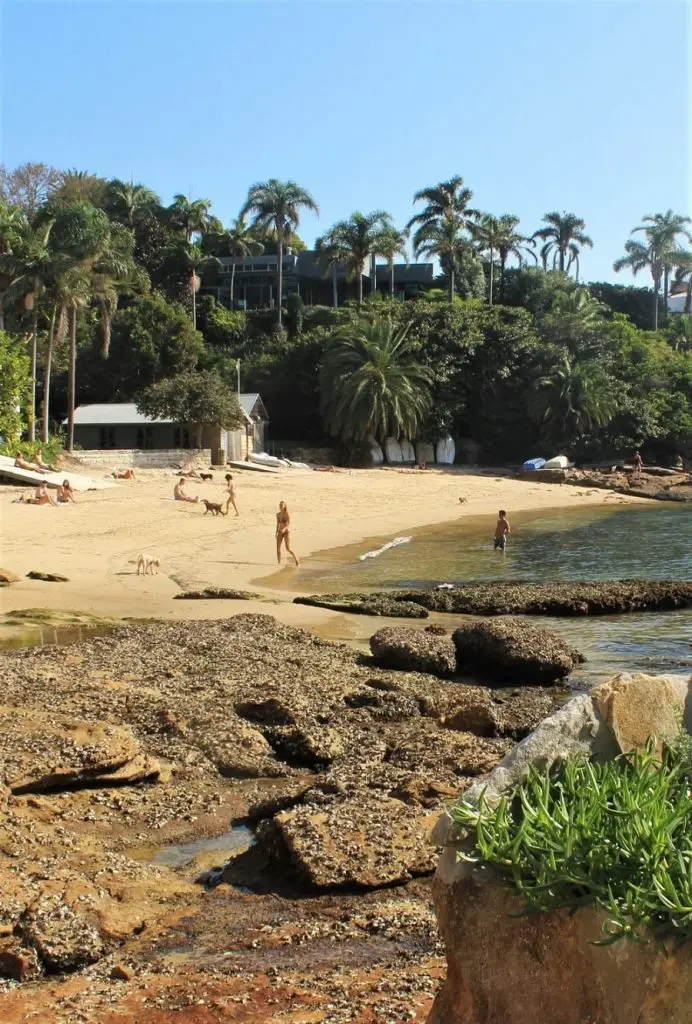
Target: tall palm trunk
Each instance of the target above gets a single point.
(561, 264)
(490, 293)
(335, 288)
(280, 226)
(666, 288)
(688, 297)
(360, 286)
(373, 273)
(46, 378)
(232, 282)
(657, 285)
(503, 262)
(193, 282)
(34, 347)
(391, 279)
(451, 281)
(71, 374)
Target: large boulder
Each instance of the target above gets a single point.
(507, 968)
(414, 649)
(513, 652)
(367, 841)
(636, 707)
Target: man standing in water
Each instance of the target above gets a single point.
(502, 529)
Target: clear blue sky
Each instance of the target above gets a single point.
(583, 106)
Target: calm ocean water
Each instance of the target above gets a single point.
(651, 542)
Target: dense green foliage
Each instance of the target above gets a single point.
(617, 835)
(100, 281)
(198, 397)
(15, 388)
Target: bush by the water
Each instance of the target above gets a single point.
(617, 835)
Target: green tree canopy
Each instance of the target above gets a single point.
(195, 398)
(15, 387)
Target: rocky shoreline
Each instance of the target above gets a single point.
(612, 597)
(166, 732)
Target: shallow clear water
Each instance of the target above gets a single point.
(177, 856)
(651, 542)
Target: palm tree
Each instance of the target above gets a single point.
(193, 261)
(512, 243)
(390, 243)
(562, 239)
(242, 244)
(35, 265)
(662, 231)
(130, 200)
(643, 257)
(276, 206)
(573, 397)
(190, 217)
(350, 243)
(74, 293)
(370, 384)
(440, 224)
(13, 225)
(487, 234)
(684, 270)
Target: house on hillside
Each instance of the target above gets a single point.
(119, 426)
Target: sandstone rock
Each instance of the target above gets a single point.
(47, 577)
(216, 594)
(366, 604)
(414, 649)
(304, 747)
(507, 968)
(636, 707)
(123, 972)
(18, 962)
(237, 750)
(43, 751)
(63, 939)
(479, 718)
(513, 652)
(267, 712)
(8, 577)
(367, 841)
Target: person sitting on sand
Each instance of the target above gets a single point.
(283, 535)
(21, 463)
(230, 490)
(179, 492)
(65, 493)
(502, 529)
(41, 496)
(124, 474)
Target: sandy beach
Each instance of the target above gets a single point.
(94, 543)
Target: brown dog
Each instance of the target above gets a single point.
(214, 507)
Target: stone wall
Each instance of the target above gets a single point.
(144, 458)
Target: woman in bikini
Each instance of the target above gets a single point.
(283, 534)
(65, 493)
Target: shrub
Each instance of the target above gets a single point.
(617, 835)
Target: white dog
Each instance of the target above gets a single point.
(147, 563)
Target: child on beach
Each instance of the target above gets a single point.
(502, 529)
(230, 491)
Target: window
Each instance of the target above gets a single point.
(181, 437)
(145, 437)
(107, 437)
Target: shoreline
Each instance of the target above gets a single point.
(95, 542)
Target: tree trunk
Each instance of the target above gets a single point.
(502, 280)
(391, 280)
(230, 306)
(561, 264)
(71, 374)
(198, 434)
(279, 270)
(34, 345)
(46, 379)
(688, 297)
(193, 282)
(373, 273)
(666, 287)
(335, 288)
(657, 285)
(490, 293)
(360, 286)
(451, 280)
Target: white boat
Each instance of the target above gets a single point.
(376, 453)
(392, 449)
(559, 462)
(425, 452)
(446, 451)
(263, 459)
(408, 453)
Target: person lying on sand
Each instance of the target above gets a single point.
(179, 492)
(65, 493)
(192, 474)
(41, 496)
(124, 474)
(21, 463)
